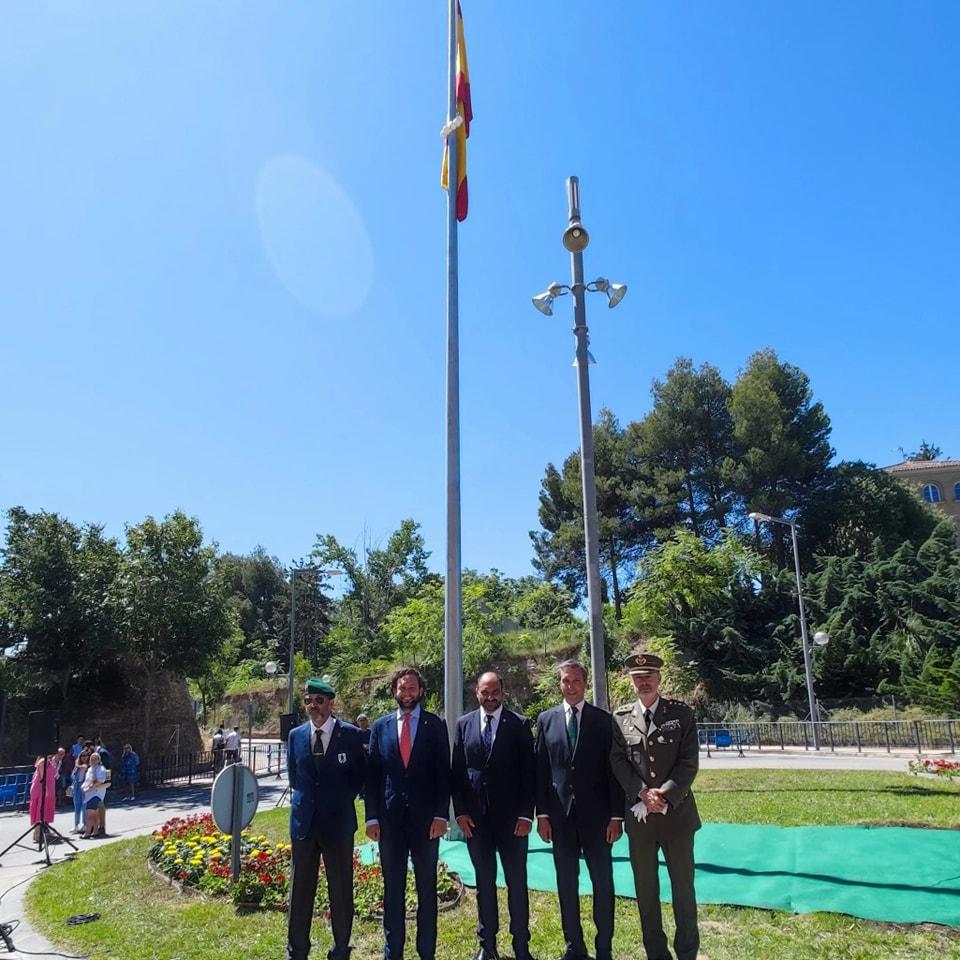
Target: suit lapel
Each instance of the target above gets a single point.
(636, 718)
(658, 717)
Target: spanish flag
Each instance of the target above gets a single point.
(465, 113)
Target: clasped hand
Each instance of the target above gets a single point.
(654, 800)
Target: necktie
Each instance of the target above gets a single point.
(647, 718)
(488, 734)
(406, 742)
(572, 729)
(317, 749)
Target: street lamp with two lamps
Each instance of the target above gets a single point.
(807, 654)
(575, 239)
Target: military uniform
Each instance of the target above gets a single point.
(665, 756)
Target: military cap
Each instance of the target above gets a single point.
(639, 663)
(319, 685)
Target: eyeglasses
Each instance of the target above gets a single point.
(317, 700)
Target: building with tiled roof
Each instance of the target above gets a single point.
(937, 480)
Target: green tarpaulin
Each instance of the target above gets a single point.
(897, 874)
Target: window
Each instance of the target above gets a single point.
(931, 493)
(956, 491)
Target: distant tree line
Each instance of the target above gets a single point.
(685, 571)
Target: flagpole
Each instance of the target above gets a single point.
(453, 655)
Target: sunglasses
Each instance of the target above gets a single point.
(318, 700)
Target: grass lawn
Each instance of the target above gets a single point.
(143, 919)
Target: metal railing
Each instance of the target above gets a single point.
(203, 766)
(911, 735)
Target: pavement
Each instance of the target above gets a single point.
(124, 820)
(151, 810)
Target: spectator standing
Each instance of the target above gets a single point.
(101, 748)
(76, 789)
(130, 765)
(218, 744)
(43, 791)
(232, 745)
(95, 795)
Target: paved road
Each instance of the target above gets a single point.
(22, 863)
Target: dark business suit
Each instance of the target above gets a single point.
(405, 801)
(580, 795)
(495, 789)
(323, 821)
(667, 756)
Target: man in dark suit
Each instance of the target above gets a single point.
(326, 764)
(407, 798)
(655, 757)
(493, 801)
(580, 806)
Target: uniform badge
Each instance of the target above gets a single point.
(341, 758)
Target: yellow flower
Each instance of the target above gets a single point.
(179, 860)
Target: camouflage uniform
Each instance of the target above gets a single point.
(666, 757)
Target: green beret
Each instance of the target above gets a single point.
(319, 685)
(640, 663)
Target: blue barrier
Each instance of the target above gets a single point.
(14, 788)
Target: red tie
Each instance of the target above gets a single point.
(406, 744)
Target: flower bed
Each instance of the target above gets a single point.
(193, 853)
(938, 767)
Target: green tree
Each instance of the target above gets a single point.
(631, 508)
(54, 579)
(781, 440)
(259, 595)
(174, 613)
(377, 581)
(926, 451)
(857, 506)
(687, 437)
(702, 603)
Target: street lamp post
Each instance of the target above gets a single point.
(807, 657)
(575, 239)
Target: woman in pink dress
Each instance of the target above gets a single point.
(43, 795)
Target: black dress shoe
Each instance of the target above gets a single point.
(484, 954)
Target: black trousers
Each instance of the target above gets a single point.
(400, 839)
(678, 854)
(337, 855)
(568, 843)
(489, 839)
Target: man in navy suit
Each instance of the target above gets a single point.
(580, 806)
(326, 764)
(407, 798)
(493, 800)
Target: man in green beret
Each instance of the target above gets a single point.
(655, 757)
(326, 764)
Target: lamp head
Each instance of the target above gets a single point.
(821, 638)
(544, 301)
(575, 237)
(615, 293)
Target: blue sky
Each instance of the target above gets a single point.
(223, 245)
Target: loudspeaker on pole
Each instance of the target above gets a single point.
(43, 732)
